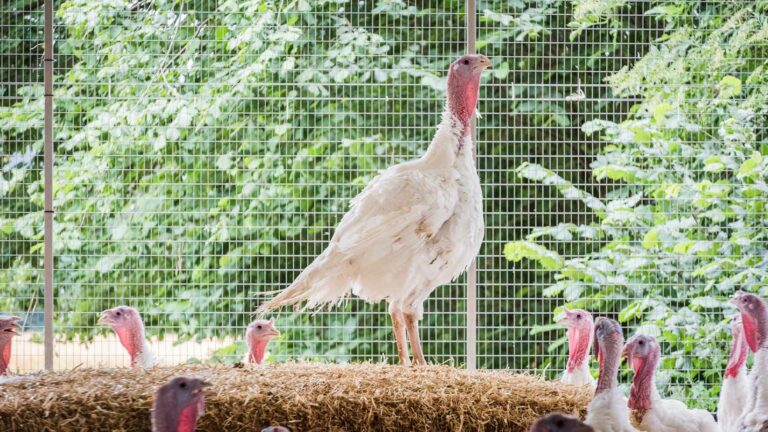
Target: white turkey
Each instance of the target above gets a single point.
(258, 334)
(608, 410)
(735, 388)
(649, 412)
(580, 329)
(416, 226)
(754, 318)
(127, 324)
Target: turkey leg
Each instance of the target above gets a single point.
(398, 325)
(412, 322)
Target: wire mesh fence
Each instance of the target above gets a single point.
(205, 150)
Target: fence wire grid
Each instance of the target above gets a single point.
(205, 150)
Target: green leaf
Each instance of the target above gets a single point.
(651, 239)
(729, 86)
(517, 250)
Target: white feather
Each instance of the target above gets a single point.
(733, 400)
(755, 416)
(145, 358)
(416, 226)
(580, 376)
(608, 412)
(670, 415)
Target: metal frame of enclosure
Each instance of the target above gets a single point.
(204, 159)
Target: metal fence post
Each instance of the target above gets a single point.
(48, 183)
(471, 24)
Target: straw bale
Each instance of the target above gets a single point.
(302, 396)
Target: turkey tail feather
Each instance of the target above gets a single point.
(321, 282)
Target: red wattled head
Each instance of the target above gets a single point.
(178, 404)
(754, 318)
(464, 84)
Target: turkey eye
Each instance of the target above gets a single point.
(183, 385)
(640, 343)
(117, 313)
(578, 316)
(258, 327)
(466, 62)
(560, 423)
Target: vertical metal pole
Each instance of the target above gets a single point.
(48, 183)
(471, 25)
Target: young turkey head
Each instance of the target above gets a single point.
(609, 341)
(642, 353)
(127, 324)
(559, 422)
(178, 404)
(580, 327)
(276, 429)
(257, 336)
(463, 86)
(8, 329)
(754, 318)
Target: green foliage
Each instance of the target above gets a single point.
(685, 226)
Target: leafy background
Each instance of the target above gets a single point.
(205, 150)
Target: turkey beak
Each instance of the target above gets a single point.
(484, 63)
(12, 326)
(274, 332)
(105, 318)
(565, 317)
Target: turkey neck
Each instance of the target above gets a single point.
(643, 387)
(134, 341)
(258, 348)
(579, 340)
(738, 355)
(610, 353)
(5, 355)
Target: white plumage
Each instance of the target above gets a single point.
(416, 226)
(670, 415)
(579, 376)
(734, 390)
(608, 412)
(755, 415)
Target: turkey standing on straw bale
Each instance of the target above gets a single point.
(580, 328)
(754, 318)
(416, 226)
(735, 389)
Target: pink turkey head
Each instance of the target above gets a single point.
(178, 404)
(276, 429)
(754, 318)
(580, 326)
(464, 84)
(257, 336)
(643, 354)
(559, 422)
(609, 341)
(8, 329)
(739, 349)
(127, 323)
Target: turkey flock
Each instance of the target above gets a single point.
(418, 225)
(743, 404)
